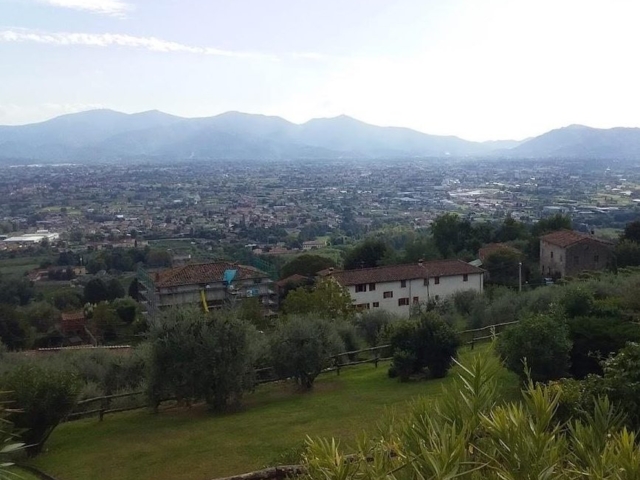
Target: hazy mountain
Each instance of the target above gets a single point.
(106, 135)
(581, 141)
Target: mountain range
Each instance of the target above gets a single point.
(107, 135)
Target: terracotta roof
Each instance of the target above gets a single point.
(564, 238)
(72, 316)
(295, 278)
(196, 274)
(492, 248)
(395, 273)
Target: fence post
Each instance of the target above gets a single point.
(336, 363)
(103, 406)
(376, 360)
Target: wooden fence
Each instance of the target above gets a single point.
(267, 375)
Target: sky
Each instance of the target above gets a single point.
(478, 69)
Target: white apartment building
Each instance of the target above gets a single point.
(396, 288)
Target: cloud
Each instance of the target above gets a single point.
(153, 44)
(116, 8)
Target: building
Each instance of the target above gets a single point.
(313, 244)
(396, 288)
(32, 238)
(566, 253)
(209, 285)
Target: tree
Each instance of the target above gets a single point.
(14, 332)
(627, 253)
(540, 340)
(104, 322)
(16, 292)
(126, 308)
(114, 289)
(371, 324)
(426, 343)
(196, 356)
(551, 224)
(302, 346)
(420, 248)
(503, 267)
(327, 299)
(43, 398)
(367, 254)
(67, 300)
(510, 230)
(95, 291)
(306, 265)
(42, 316)
(632, 232)
(134, 289)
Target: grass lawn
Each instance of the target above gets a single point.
(17, 267)
(196, 445)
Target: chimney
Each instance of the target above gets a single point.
(420, 261)
(330, 269)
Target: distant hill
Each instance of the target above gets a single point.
(580, 141)
(106, 135)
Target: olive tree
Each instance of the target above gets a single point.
(195, 356)
(302, 346)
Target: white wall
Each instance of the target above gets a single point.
(414, 288)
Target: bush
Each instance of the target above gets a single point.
(126, 309)
(594, 339)
(43, 396)
(622, 381)
(431, 342)
(302, 346)
(349, 336)
(465, 300)
(543, 341)
(577, 302)
(195, 356)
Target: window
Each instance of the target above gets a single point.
(551, 254)
(387, 295)
(362, 287)
(596, 258)
(437, 298)
(465, 278)
(376, 304)
(426, 282)
(576, 260)
(436, 280)
(403, 283)
(363, 306)
(403, 301)
(416, 299)
(372, 287)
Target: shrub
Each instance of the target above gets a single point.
(349, 336)
(543, 341)
(577, 302)
(622, 381)
(430, 341)
(594, 339)
(465, 300)
(302, 346)
(43, 396)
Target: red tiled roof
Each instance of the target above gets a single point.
(564, 238)
(72, 316)
(295, 278)
(395, 273)
(196, 274)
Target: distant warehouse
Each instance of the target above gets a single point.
(32, 238)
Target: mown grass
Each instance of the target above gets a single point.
(196, 445)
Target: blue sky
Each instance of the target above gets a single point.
(479, 69)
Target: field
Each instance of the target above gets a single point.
(193, 444)
(17, 267)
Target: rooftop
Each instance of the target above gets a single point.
(203, 273)
(565, 238)
(395, 273)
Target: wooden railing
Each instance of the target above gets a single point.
(469, 337)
